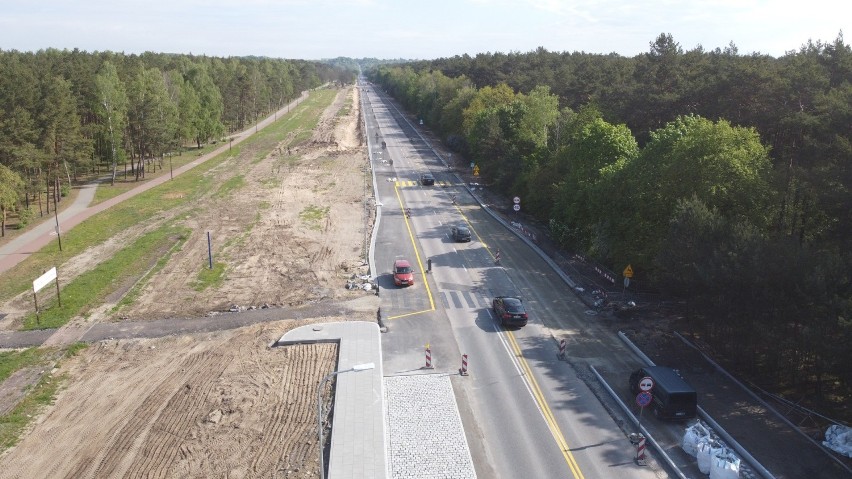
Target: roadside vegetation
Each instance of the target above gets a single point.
(210, 278)
(723, 179)
(313, 216)
(42, 394)
(92, 287)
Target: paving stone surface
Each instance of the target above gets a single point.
(425, 433)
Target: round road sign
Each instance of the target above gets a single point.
(516, 200)
(646, 384)
(516, 207)
(643, 398)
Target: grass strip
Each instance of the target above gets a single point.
(208, 278)
(41, 395)
(136, 289)
(91, 288)
(230, 185)
(11, 361)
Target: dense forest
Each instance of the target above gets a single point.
(64, 113)
(723, 179)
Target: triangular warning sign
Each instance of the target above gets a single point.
(628, 272)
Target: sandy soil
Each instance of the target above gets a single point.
(213, 405)
(291, 235)
(218, 404)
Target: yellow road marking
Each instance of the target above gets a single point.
(458, 208)
(416, 254)
(411, 314)
(545, 409)
(555, 431)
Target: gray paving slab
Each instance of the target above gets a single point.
(358, 428)
(425, 433)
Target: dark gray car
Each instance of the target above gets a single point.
(460, 233)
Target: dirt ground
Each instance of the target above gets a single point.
(212, 405)
(291, 235)
(218, 404)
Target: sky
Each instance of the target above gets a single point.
(425, 29)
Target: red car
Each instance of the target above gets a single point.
(403, 275)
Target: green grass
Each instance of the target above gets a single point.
(11, 361)
(91, 287)
(269, 182)
(313, 215)
(136, 289)
(75, 349)
(40, 395)
(107, 191)
(14, 423)
(208, 278)
(230, 185)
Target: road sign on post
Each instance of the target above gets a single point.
(646, 384)
(628, 272)
(643, 399)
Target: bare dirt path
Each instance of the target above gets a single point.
(219, 404)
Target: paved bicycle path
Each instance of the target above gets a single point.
(27, 243)
(33, 240)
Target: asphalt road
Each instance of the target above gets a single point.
(526, 414)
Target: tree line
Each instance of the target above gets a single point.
(67, 112)
(723, 179)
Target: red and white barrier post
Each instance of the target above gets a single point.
(463, 370)
(562, 346)
(638, 440)
(428, 358)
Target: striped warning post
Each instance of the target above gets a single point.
(428, 357)
(640, 451)
(463, 370)
(562, 346)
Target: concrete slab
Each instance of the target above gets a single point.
(358, 429)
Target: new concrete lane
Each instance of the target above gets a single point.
(528, 415)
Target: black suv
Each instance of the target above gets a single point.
(460, 233)
(510, 311)
(426, 179)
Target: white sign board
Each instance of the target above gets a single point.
(516, 207)
(516, 200)
(44, 280)
(646, 384)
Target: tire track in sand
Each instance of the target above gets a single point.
(299, 376)
(117, 459)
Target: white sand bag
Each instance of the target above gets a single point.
(693, 434)
(725, 465)
(702, 454)
(839, 439)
